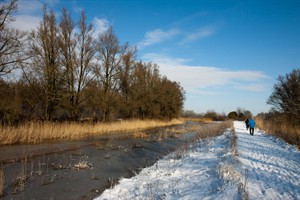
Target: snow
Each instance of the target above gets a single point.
(251, 167)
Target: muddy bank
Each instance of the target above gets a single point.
(82, 169)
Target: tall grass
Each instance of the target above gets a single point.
(39, 132)
(280, 128)
(214, 130)
(199, 119)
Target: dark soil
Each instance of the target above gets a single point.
(81, 169)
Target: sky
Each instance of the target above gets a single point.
(226, 54)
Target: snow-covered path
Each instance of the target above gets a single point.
(263, 167)
(273, 166)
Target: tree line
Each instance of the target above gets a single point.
(67, 73)
(285, 100)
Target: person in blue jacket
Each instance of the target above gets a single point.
(251, 124)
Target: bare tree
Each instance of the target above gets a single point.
(78, 51)
(67, 44)
(286, 95)
(110, 54)
(11, 48)
(45, 52)
(86, 48)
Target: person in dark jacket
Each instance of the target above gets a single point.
(247, 125)
(251, 124)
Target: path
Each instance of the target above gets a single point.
(273, 166)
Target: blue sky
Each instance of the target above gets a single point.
(225, 53)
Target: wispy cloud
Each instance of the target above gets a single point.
(191, 19)
(76, 8)
(157, 36)
(204, 30)
(254, 87)
(201, 33)
(201, 78)
(100, 25)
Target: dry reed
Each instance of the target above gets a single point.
(39, 132)
(280, 128)
(214, 130)
(199, 119)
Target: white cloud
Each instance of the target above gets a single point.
(28, 16)
(26, 22)
(197, 79)
(100, 25)
(157, 36)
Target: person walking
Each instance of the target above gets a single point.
(251, 124)
(247, 125)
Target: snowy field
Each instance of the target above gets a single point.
(225, 167)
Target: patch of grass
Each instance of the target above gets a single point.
(39, 132)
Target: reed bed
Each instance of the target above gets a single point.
(199, 119)
(280, 128)
(39, 132)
